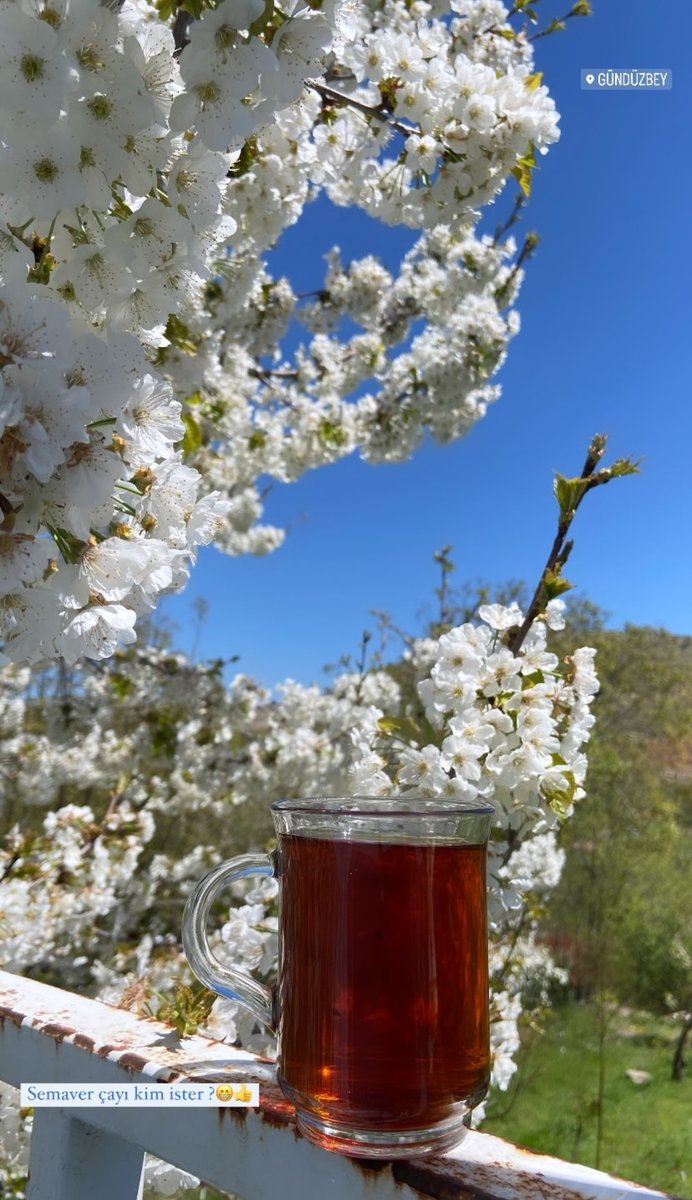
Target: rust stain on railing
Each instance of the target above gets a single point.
(10, 1014)
(451, 1182)
(119, 1049)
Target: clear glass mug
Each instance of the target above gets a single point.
(381, 1004)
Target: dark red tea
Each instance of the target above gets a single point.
(384, 984)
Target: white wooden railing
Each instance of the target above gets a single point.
(48, 1035)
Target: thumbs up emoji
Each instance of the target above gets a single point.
(243, 1094)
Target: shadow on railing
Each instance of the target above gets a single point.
(54, 1037)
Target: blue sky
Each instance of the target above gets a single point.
(604, 347)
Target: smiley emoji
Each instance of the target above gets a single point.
(224, 1092)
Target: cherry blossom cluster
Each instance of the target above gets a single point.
(441, 118)
(499, 725)
(111, 189)
(146, 170)
(99, 512)
(425, 346)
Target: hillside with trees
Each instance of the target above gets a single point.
(621, 917)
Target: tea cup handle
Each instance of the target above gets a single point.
(227, 981)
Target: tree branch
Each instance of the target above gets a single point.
(505, 226)
(569, 494)
(379, 111)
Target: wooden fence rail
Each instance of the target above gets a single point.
(54, 1037)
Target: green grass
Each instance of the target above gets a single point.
(552, 1104)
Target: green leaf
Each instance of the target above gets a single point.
(522, 170)
(192, 439)
(430, 735)
(554, 585)
(533, 81)
(179, 335)
(246, 159)
(568, 493)
(122, 685)
(213, 290)
(556, 804)
(559, 791)
(194, 7)
(331, 433)
(401, 727)
(264, 18)
(623, 466)
(256, 440)
(164, 734)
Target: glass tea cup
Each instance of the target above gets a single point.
(381, 1004)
